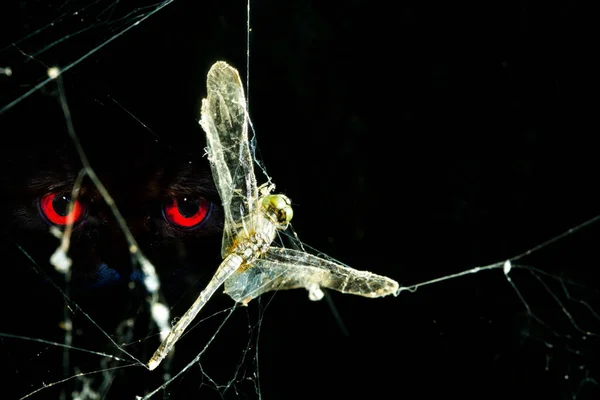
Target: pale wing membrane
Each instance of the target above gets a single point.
(224, 120)
(282, 269)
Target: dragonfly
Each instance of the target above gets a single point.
(252, 264)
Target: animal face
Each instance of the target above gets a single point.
(162, 187)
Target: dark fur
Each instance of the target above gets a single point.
(142, 173)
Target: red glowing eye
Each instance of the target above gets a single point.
(184, 212)
(55, 208)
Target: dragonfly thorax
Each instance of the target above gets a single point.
(278, 208)
(258, 229)
(255, 244)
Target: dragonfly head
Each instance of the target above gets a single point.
(279, 209)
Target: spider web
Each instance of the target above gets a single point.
(525, 327)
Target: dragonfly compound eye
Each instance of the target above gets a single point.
(279, 208)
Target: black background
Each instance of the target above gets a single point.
(416, 140)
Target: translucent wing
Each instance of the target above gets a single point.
(282, 269)
(225, 122)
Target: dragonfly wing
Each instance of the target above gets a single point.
(282, 269)
(248, 283)
(224, 118)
